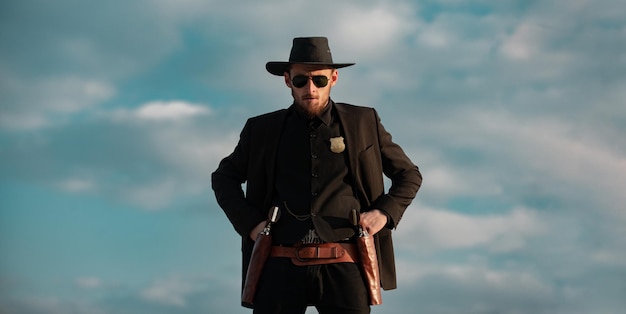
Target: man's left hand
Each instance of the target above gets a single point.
(373, 221)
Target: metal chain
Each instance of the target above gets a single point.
(298, 217)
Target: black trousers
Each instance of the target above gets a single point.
(285, 288)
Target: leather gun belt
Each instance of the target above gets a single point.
(318, 253)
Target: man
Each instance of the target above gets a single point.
(317, 161)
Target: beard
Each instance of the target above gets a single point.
(310, 105)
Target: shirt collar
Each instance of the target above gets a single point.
(325, 116)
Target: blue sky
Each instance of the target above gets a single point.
(113, 114)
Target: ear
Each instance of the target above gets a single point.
(287, 79)
(333, 77)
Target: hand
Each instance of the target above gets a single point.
(373, 221)
(255, 232)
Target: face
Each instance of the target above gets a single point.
(311, 98)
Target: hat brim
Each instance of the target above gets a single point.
(279, 68)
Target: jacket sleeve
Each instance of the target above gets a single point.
(227, 182)
(405, 176)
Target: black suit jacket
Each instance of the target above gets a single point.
(371, 153)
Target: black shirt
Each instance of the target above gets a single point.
(312, 185)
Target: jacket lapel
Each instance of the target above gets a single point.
(273, 133)
(348, 122)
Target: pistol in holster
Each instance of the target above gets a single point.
(368, 260)
(260, 253)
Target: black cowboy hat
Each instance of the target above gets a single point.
(306, 50)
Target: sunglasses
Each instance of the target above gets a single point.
(301, 80)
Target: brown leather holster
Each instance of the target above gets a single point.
(260, 253)
(369, 263)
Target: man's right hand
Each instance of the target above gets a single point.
(255, 232)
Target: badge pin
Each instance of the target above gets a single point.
(337, 145)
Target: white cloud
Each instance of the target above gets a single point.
(448, 181)
(190, 159)
(187, 152)
(475, 288)
(194, 154)
(47, 305)
(569, 159)
(75, 94)
(436, 229)
(475, 275)
(153, 195)
(171, 291)
(68, 94)
(609, 257)
(373, 31)
(76, 185)
(504, 155)
(174, 110)
(523, 44)
(170, 110)
(435, 38)
(22, 121)
(33, 104)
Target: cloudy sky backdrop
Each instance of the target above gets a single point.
(113, 114)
